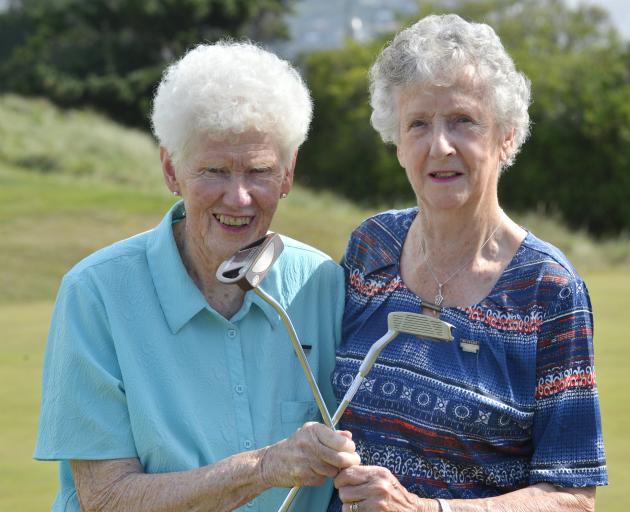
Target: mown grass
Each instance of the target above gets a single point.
(49, 219)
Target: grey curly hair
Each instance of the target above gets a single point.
(436, 51)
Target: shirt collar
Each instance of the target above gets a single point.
(178, 294)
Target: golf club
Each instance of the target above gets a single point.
(418, 324)
(247, 268)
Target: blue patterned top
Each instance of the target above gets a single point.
(457, 423)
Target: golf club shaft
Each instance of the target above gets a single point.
(299, 351)
(366, 366)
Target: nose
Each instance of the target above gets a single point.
(238, 193)
(441, 144)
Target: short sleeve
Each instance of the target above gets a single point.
(567, 432)
(84, 410)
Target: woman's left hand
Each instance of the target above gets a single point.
(376, 489)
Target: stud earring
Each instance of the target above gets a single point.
(283, 196)
(175, 193)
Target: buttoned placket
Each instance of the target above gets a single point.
(240, 395)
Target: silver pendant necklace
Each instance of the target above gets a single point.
(439, 298)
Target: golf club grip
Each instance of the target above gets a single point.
(352, 390)
(299, 351)
(370, 358)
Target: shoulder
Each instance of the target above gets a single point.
(548, 259)
(559, 286)
(306, 273)
(295, 250)
(302, 262)
(391, 223)
(106, 263)
(378, 240)
(301, 257)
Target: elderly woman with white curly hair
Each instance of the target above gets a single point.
(165, 389)
(506, 417)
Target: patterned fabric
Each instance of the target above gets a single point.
(452, 423)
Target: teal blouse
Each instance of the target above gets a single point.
(139, 365)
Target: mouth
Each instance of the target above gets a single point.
(445, 175)
(233, 222)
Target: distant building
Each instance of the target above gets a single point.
(321, 24)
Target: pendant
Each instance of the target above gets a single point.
(439, 298)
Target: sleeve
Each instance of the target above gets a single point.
(84, 409)
(567, 432)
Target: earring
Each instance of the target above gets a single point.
(283, 196)
(175, 193)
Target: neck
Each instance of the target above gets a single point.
(225, 299)
(449, 236)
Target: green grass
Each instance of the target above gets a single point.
(54, 214)
(25, 485)
(609, 293)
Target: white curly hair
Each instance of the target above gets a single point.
(225, 88)
(437, 50)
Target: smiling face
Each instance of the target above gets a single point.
(231, 189)
(450, 146)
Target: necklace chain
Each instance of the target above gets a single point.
(439, 298)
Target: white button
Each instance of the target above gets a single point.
(239, 388)
(247, 443)
(231, 333)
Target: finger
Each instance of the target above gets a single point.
(370, 492)
(340, 460)
(322, 469)
(352, 476)
(380, 487)
(334, 440)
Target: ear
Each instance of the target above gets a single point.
(507, 145)
(401, 157)
(287, 181)
(168, 170)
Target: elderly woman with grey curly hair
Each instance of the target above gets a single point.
(506, 417)
(165, 389)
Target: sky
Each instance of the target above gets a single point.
(619, 12)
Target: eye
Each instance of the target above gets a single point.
(261, 170)
(417, 123)
(217, 171)
(464, 119)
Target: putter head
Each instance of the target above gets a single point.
(421, 325)
(249, 266)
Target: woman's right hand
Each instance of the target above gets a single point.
(308, 457)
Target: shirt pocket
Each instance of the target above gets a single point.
(294, 414)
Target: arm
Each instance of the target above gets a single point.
(306, 458)
(376, 489)
(538, 497)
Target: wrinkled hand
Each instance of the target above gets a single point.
(376, 489)
(315, 452)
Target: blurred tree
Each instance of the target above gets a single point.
(110, 53)
(577, 160)
(344, 152)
